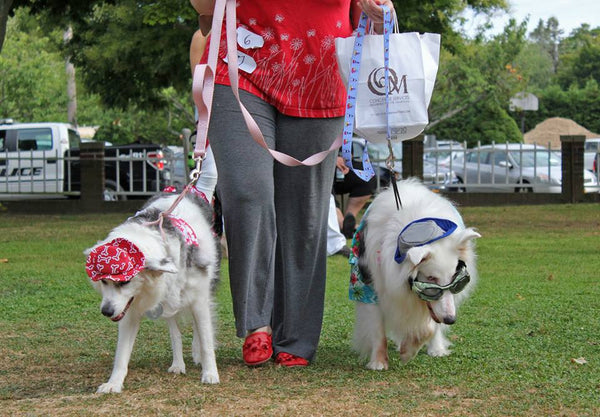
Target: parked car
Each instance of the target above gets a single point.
(591, 154)
(436, 178)
(44, 158)
(444, 153)
(176, 173)
(514, 167)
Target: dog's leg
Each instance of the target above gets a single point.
(178, 366)
(128, 329)
(369, 335)
(412, 343)
(196, 349)
(438, 346)
(204, 327)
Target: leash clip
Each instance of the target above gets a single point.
(389, 163)
(197, 171)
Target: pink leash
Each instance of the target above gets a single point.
(203, 86)
(203, 89)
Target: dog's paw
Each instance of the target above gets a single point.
(438, 351)
(210, 377)
(109, 387)
(377, 366)
(406, 357)
(176, 369)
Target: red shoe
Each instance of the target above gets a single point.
(289, 360)
(257, 349)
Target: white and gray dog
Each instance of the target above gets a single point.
(411, 268)
(143, 269)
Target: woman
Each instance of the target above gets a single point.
(275, 215)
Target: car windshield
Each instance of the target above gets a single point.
(440, 154)
(380, 151)
(540, 158)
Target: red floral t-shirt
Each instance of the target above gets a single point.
(296, 69)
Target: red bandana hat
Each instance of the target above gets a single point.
(118, 260)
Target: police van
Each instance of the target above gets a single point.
(32, 155)
(44, 158)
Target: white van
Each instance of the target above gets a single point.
(32, 156)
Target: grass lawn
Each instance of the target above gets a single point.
(527, 343)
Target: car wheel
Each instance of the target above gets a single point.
(525, 189)
(459, 189)
(111, 189)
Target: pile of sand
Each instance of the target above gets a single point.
(550, 131)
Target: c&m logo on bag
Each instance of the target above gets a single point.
(376, 82)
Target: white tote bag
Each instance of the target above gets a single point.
(413, 65)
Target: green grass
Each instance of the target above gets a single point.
(535, 309)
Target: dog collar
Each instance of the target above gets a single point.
(422, 232)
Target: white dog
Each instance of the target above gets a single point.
(410, 272)
(141, 268)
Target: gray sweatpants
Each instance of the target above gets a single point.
(275, 219)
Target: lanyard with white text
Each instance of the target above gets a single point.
(367, 172)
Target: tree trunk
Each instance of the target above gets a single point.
(71, 84)
(4, 9)
(71, 93)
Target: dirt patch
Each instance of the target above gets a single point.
(550, 131)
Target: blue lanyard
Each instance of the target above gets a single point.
(367, 172)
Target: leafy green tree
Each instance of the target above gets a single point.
(5, 7)
(536, 66)
(473, 89)
(547, 35)
(32, 76)
(579, 104)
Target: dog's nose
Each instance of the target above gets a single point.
(449, 319)
(108, 310)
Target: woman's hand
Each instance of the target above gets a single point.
(373, 9)
(341, 165)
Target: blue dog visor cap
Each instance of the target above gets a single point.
(422, 232)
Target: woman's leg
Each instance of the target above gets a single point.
(302, 203)
(246, 190)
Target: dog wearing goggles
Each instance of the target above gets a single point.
(411, 269)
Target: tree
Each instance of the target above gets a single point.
(5, 7)
(32, 76)
(548, 36)
(473, 89)
(128, 52)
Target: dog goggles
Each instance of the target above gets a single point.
(422, 232)
(428, 291)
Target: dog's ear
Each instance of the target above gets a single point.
(468, 234)
(88, 251)
(418, 254)
(161, 265)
